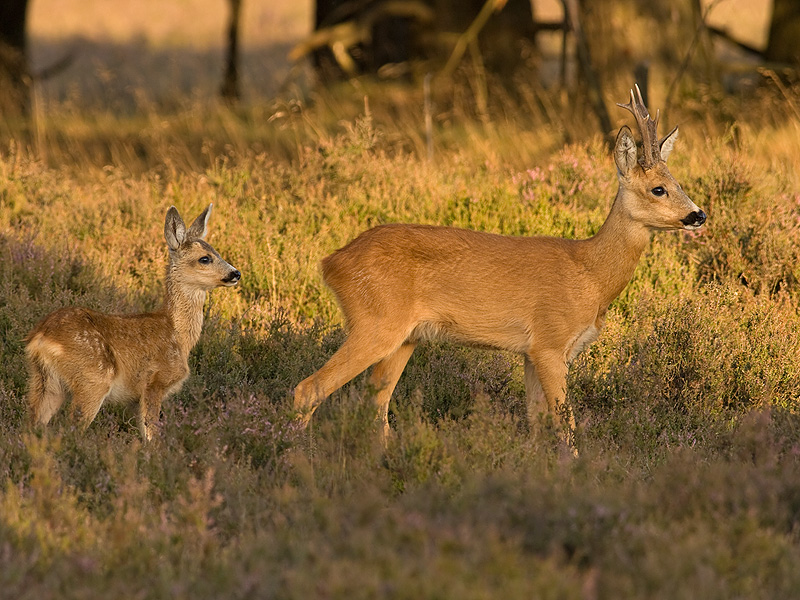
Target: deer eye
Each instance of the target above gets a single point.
(658, 191)
(204, 260)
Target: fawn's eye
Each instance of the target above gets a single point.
(204, 260)
(658, 191)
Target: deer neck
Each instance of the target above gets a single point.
(614, 251)
(184, 305)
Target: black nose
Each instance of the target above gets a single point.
(694, 219)
(233, 277)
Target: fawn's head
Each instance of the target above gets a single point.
(650, 193)
(192, 260)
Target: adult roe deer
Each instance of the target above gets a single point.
(128, 358)
(541, 296)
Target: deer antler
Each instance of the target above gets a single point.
(651, 145)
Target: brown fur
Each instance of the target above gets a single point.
(543, 297)
(128, 358)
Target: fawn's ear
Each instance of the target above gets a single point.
(667, 143)
(625, 151)
(174, 229)
(199, 228)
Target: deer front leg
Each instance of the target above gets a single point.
(149, 411)
(545, 387)
(534, 394)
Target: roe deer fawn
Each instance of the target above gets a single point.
(541, 296)
(128, 358)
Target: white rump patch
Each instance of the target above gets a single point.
(44, 347)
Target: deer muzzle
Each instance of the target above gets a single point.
(232, 278)
(694, 219)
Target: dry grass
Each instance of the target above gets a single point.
(687, 482)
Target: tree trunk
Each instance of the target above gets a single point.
(594, 90)
(15, 79)
(784, 33)
(230, 82)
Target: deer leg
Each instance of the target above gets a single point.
(354, 356)
(150, 411)
(45, 393)
(87, 397)
(550, 370)
(534, 394)
(384, 378)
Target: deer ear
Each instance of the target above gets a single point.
(667, 143)
(625, 151)
(199, 229)
(174, 229)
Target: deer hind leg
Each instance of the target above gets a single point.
(88, 395)
(46, 393)
(546, 382)
(356, 354)
(384, 378)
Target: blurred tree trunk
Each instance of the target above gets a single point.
(705, 46)
(784, 33)
(15, 79)
(230, 82)
(574, 13)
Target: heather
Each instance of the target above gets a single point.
(687, 482)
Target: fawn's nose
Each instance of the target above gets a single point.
(233, 277)
(694, 219)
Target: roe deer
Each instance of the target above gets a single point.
(128, 358)
(541, 296)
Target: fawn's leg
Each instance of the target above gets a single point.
(150, 411)
(88, 395)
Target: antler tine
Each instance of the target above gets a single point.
(647, 127)
(639, 98)
(629, 105)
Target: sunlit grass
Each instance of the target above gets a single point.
(687, 405)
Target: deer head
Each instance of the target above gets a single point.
(193, 261)
(652, 194)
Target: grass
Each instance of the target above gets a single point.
(687, 483)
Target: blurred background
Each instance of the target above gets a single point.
(556, 64)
